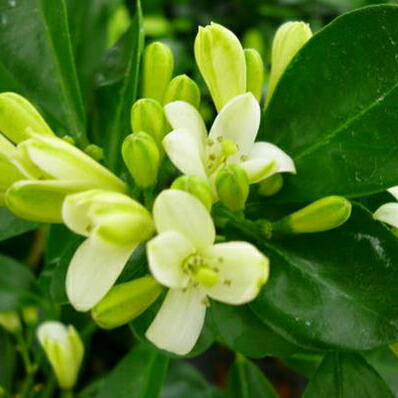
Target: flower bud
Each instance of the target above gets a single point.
(10, 321)
(254, 72)
(148, 115)
(95, 152)
(271, 185)
(221, 61)
(182, 88)
(288, 40)
(157, 70)
(232, 186)
(64, 350)
(19, 119)
(141, 155)
(8, 175)
(30, 315)
(196, 186)
(321, 215)
(125, 302)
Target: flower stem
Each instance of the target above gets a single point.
(66, 393)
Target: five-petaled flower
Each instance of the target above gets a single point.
(184, 258)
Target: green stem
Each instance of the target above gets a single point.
(66, 394)
(148, 198)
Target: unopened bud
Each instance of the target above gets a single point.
(141, 156)
(232, 186)
(221, 61)
(148, 115)
(288, 40)
(196, 186)
(157, 70)
(8, 175)
(19, 119)
(322, 215)
(95, 152)
(182, 88)
(30, 315)
(271, 185)
(64, 350)
(254, 72)
(10, 321)
(126, 301)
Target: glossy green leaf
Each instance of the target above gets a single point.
(116, 90)
(346, 376)
(17, 285)
(37, 61)
(11, 225)
(140, 374)
(329, 289)
(245, 380)
(183, 380)
(334, 110)
(241, 330)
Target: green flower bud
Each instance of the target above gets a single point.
(148, 115)
(254, 72)
(271, 185)
(95, 152)
(64, 350)
(196, 186)
(232, 186)
(19, 119)
(10, 321)
(8, 175)
(125, 302)
(288, 40)
(141, 155)
(182, 88)
(30, 315)
(157, 26)
(157, 70)
(253, 38)
(321, 215)
(221, 61)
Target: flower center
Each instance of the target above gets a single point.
(199, 271)
(218, 152)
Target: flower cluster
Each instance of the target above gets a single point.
(48, 179)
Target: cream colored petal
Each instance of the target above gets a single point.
(179, 322)
(166, 254)
(243, 270)
(178, 211)
(93, 271)
(394, 192)
(388, 214)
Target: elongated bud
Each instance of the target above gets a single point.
(254, 72)
(141, 156)
(30, 315)
(148, 115)
(221, 61)
(8, 175)
(322, 215)
(158, 70)
(271, 186)
(64, 350)
(19, 119)
(288, 40)
(196, 186)
(125, 302)
(10, 321)
(182, 88)
(232, 186)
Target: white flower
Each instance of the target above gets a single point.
(184, 258)
(388, 213)
(231, 140)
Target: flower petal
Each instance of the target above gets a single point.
(388, 214)
(239, 121)
(259, 169)
(394, 192)
(166, 254)
(93, 270)
(179, 211)
(185, 153)
(243, 270)
(184, 116)
(179, 322)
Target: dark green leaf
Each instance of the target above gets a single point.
(139, 375)
(305, 363)
(240, 329)
(37, 61)
(116, 91)
(11, 225)
(329, 289)
(7, 360)
(245, 380)
(17, 285)
(346, 376)
(334, 110)
(183, 380)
